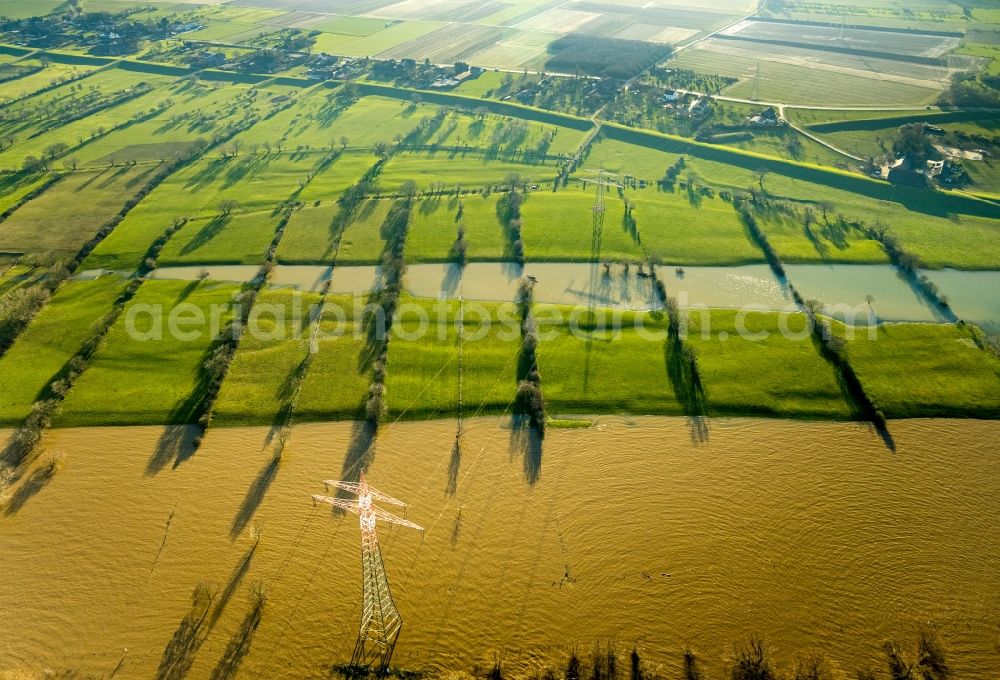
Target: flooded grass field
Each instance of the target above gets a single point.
(809, 534)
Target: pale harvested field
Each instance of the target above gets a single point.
(559, 21)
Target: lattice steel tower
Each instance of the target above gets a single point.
(380, 620)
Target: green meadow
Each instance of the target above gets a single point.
(51, 340)
(54, 223)
(926, 370)
(151, 376)
(262, 377)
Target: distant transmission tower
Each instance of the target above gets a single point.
(604, 179)
(756, 81)
(380, 620)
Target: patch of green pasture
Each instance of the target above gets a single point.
(823, 240)
(500, 133)
(558, 226)
(433, 229)
(52, 338)
(143, 379)
(422, 378)
(329, 184)
(688, 230)
(926, 370)
(261, 378)
(604, 373)
(479, 86)
(14, 186)
(748, 365)
(362, 241)
(432, 168)
(335, 386)
(309, 236)
(379, 119)
(54, 221)
(236, 238)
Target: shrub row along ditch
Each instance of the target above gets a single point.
(509, 213)
(529, 401)
(908, 264)
(25, 439)
(831, 347)
(379, 317)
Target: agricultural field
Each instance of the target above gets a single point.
(139, 379)
(52, 339)
(260, 382)
(246, 151)
(795, 81)
(53, 222)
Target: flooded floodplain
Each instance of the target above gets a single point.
(844, 288)
(809, 534)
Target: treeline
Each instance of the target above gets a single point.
(459, 249)
(909, 265)
(746, 208)
(529, 401)
(603, 57)
(378, 319)
(833, 349)
(508, 210)
(749, 659)
(682, 367)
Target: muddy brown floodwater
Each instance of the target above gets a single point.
(811, 535)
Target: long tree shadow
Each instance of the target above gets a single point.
(239, 571)
(360, 451)
(188, 638)
(35, 482)
(682, 370)
(255, 495)
(239, 644)
(209, 231)
(526, 441)
(454, 465)
(854, 395)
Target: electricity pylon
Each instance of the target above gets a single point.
(604, 179)
(380, 620)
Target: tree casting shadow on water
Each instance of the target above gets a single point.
(239, 644)
(526, 440)
(255, 495)
(682, 369)
(360, 451)
(35, 482)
